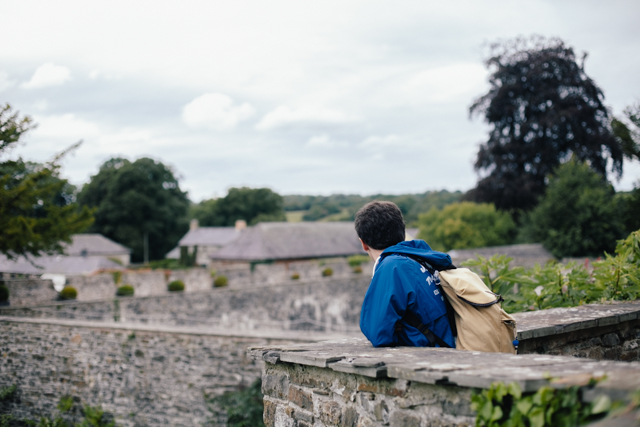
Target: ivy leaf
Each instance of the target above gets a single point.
(537, 417)
(515, 391)
(486, 411)
(497, 414)
(601, 404)
(524, 406)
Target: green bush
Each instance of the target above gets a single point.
(176, 286)
(4, 293)
(125, 291)
(466, 225)
(244, 407)
(220, 282)
(295, 276)
(327, 272)
(68, 292)
(356, 260)
(117, 277)
(357, 269)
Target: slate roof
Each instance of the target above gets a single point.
(58, 264)
(525, 255)
(209, 236)
(94, 244)
(292, 240)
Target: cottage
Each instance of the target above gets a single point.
(204, 241)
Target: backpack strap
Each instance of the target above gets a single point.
(413, 320)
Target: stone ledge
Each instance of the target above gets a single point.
(555, 321)
(452, 367)
(303, 336)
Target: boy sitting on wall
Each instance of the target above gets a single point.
(401, 288)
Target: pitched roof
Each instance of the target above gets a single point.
(525, 255)
(59, 264)
(94, 244)
(289, 240)
(209, 236)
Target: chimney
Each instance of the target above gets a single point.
(241, 224)
(194, 224)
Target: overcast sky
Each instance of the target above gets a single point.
(302, 97)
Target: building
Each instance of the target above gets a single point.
(207, 240)
(291, 241)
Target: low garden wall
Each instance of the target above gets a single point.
(349, 383)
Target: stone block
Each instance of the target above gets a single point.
(275, 385)
(349, 417)
(330, 413)
(610, 340)
(300, 397)
(404, 419)
(269, 413)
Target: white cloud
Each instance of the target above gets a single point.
(284, 116)
(215, 111)
(48, 74)
(5, 83)
(66, 126)
(324, 141)
(378, 142)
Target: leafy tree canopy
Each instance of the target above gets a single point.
(38, 212)
(466, 225)
(628, 134)
(250, 204)
(577, 215)
(542, 108)
(134, 198)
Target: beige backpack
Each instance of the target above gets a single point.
(481, 323)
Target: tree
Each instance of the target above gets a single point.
(543, 109)
(578, 215)
(628, 134)
(466, 225)
(38, 213)
(250, 204)
(137, 203)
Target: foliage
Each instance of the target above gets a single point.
(357, 269)
(125, 291)
(94, 416)
(134, 199)
(628, 207)
(38, 213)
(466, 225)
(4, 293)
(542, 108)
(557, 285)
(7, 393)
(327, 272)
(65, 404)
(167, 263)
(244, 407)
(411, 205)
(220, 282)
(577, 216)
(357, 260)
(68, 292)
(176, 286)
(250, 204)
(117, 277)
(628, 134)
(295, 276)
(188, 259)
(506, 405)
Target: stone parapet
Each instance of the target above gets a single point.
(349, 383)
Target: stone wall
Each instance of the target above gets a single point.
(30, 291)
(349, 383)
(142, 377)
(326, 305)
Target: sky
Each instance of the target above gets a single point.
(358, 97)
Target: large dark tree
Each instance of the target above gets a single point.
(38, 212)
(542, 108)
(250, 204)
(134, 199)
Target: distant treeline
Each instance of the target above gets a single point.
(342, 207)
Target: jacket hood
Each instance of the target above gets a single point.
(420, 248)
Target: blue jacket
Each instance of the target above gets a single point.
(400, 284)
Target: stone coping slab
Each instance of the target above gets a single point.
(452, 367)
(285, 335)
(553, 321)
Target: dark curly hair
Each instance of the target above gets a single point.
(380, 224)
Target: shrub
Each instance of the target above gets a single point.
(68, 292)
(4, 293)
(213, 273)
(295, 276)
(176, 286)
(357, 269)
(124, 291)
(220, 282)
(244, 407)
(117, 277)
(327, 272)
(356, 260)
